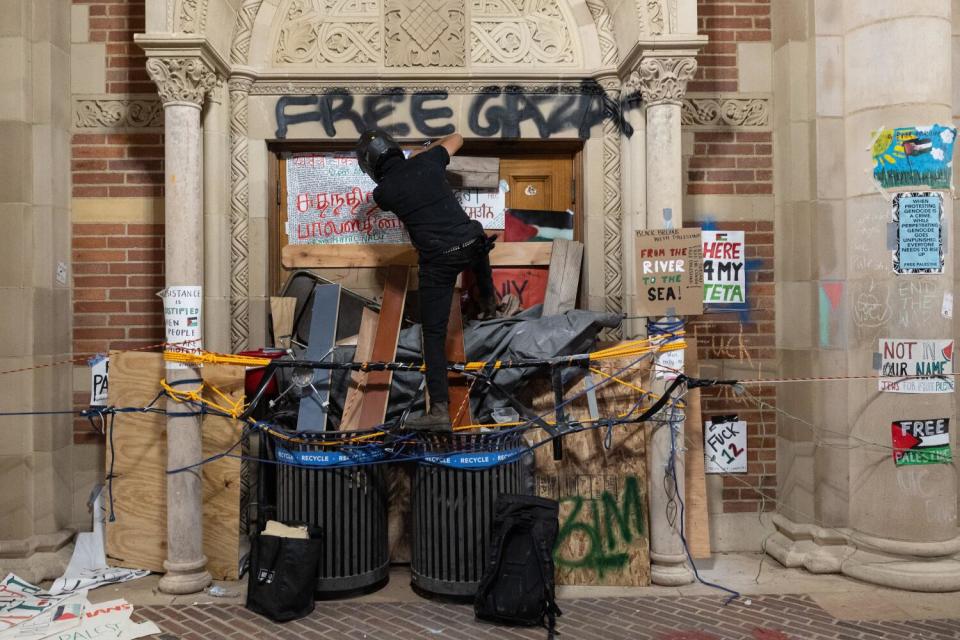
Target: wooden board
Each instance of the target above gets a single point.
(470, 172)
(358, 379)
(340, 256)
(312, 415)
(604, 526)
(564, 280)
(459, 384)
(138, 537)
(695, 489)
(281, 312)
(377, 394)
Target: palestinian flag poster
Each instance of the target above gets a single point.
(921, 441)
(532, 225)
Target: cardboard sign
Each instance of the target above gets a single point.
(725, 445)
(99, 367)
(914, 157)
(919, 220)
(724, 269)
(921, 441)
(529, 285)
(901, 360)
(330, 201)
(669, 272)
(484, 205)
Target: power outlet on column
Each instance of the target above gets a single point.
(62, 273)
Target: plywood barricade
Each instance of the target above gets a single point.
(604, 524)
(137, 538)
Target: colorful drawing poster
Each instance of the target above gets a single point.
(21, 601)
(484, 205)
(916, 366)
(921, 441)
(724, 269)
(725, 445)
(919, 220)
(330, 201)
(669, 272)
(914, 157)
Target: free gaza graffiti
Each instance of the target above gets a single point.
(493, 112)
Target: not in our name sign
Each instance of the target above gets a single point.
(669, 272)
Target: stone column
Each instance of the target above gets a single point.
(903, 520)
(216, 216)
(183, 84)
(663, 77)
(612, 203)
(633, 181)
(240, 83)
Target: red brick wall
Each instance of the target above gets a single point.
(731, 163)
(727, 22)
(117, 266)
(750, 338)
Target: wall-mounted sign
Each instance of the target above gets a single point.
(914, 157)
(725, 445)
(916, 366)
(483, 205)
(182, 308)
(330, 201)
(921, 441)
(919, 220)
(724, 268)
(99, 368)
(669, 272)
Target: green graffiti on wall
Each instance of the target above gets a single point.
(608, 527)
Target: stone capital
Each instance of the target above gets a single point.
(663, 79)
(181, 80)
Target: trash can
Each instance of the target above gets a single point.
(349, 503)
(454, 491)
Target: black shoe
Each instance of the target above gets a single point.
(436, 420)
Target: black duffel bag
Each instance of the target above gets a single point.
(517, 587)
(283, 575)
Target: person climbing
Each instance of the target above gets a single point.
(447, 241)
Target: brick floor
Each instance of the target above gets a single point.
(785, 617)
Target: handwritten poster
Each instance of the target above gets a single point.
(182, 319)
(914, 157)
(916, 366)
(725, 445)
(21, 601)
(921, 441)
(669, 272)
(919, 220)
(330, 201)
(484, 205)
(724, 268)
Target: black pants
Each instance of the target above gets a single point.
(438, 277)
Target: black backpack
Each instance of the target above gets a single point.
(517, 587)
(283, 575)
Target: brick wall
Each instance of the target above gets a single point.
(748, 337)
(731, 163)
(727, 22)
(117, 266)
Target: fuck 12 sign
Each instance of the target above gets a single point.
(725, 445)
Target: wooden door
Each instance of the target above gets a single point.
(540, 182)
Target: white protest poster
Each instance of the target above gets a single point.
(21, 601)
(919, 220)
(669, 364)
(182, 318)
(99, 367)
(724, 268)
(916, 366)
(330, 201)
(486, 206)
(725, 445)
